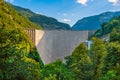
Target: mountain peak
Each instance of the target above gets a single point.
(94, 22)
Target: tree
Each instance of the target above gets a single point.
(79, 62)
(110, 75)
(115, 35)
(99, 53)
(35, 55)
(57, 70)
(14, 62)
(113, 58)
(104, 27)
(51, 77)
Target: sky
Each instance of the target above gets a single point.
(68, 11)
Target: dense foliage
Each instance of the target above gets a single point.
(57, 70)
(98, 55)
(10, 17)
(15, 46)
(101, 62)
(15, 64)
(19, 60)
(79, 62)
(107, 27)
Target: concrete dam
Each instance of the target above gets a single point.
(54, 44)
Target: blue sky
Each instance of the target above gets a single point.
(68, 11)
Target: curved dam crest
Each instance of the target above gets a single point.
(54, 44)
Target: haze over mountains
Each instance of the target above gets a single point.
(87, 23)
(65, 51)
(47, 23)
(94, 22)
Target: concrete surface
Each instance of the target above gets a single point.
(53, 45)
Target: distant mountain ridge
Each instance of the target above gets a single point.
(94, 22)
(47, 23)
(108, 27)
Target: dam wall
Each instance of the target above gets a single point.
(53, 45)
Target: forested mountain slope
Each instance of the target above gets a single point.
(11, 18)
(108, 27)
(94, 22)
(47, 23)
(18, 58)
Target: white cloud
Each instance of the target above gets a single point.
(115, 2)
(66, 20)
(83, 2)
(11, 1)
(39, 13)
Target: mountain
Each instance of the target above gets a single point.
(11, 18)
(108, 27)
(94, 22)
(47, 23)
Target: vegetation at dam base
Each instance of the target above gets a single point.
(20, 61)
(15, 63)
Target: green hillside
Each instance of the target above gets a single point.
(108, 27)
(18, 58)
(47, 23)
(11, 18)
(94, 22)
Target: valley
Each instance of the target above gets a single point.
(38, 47)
